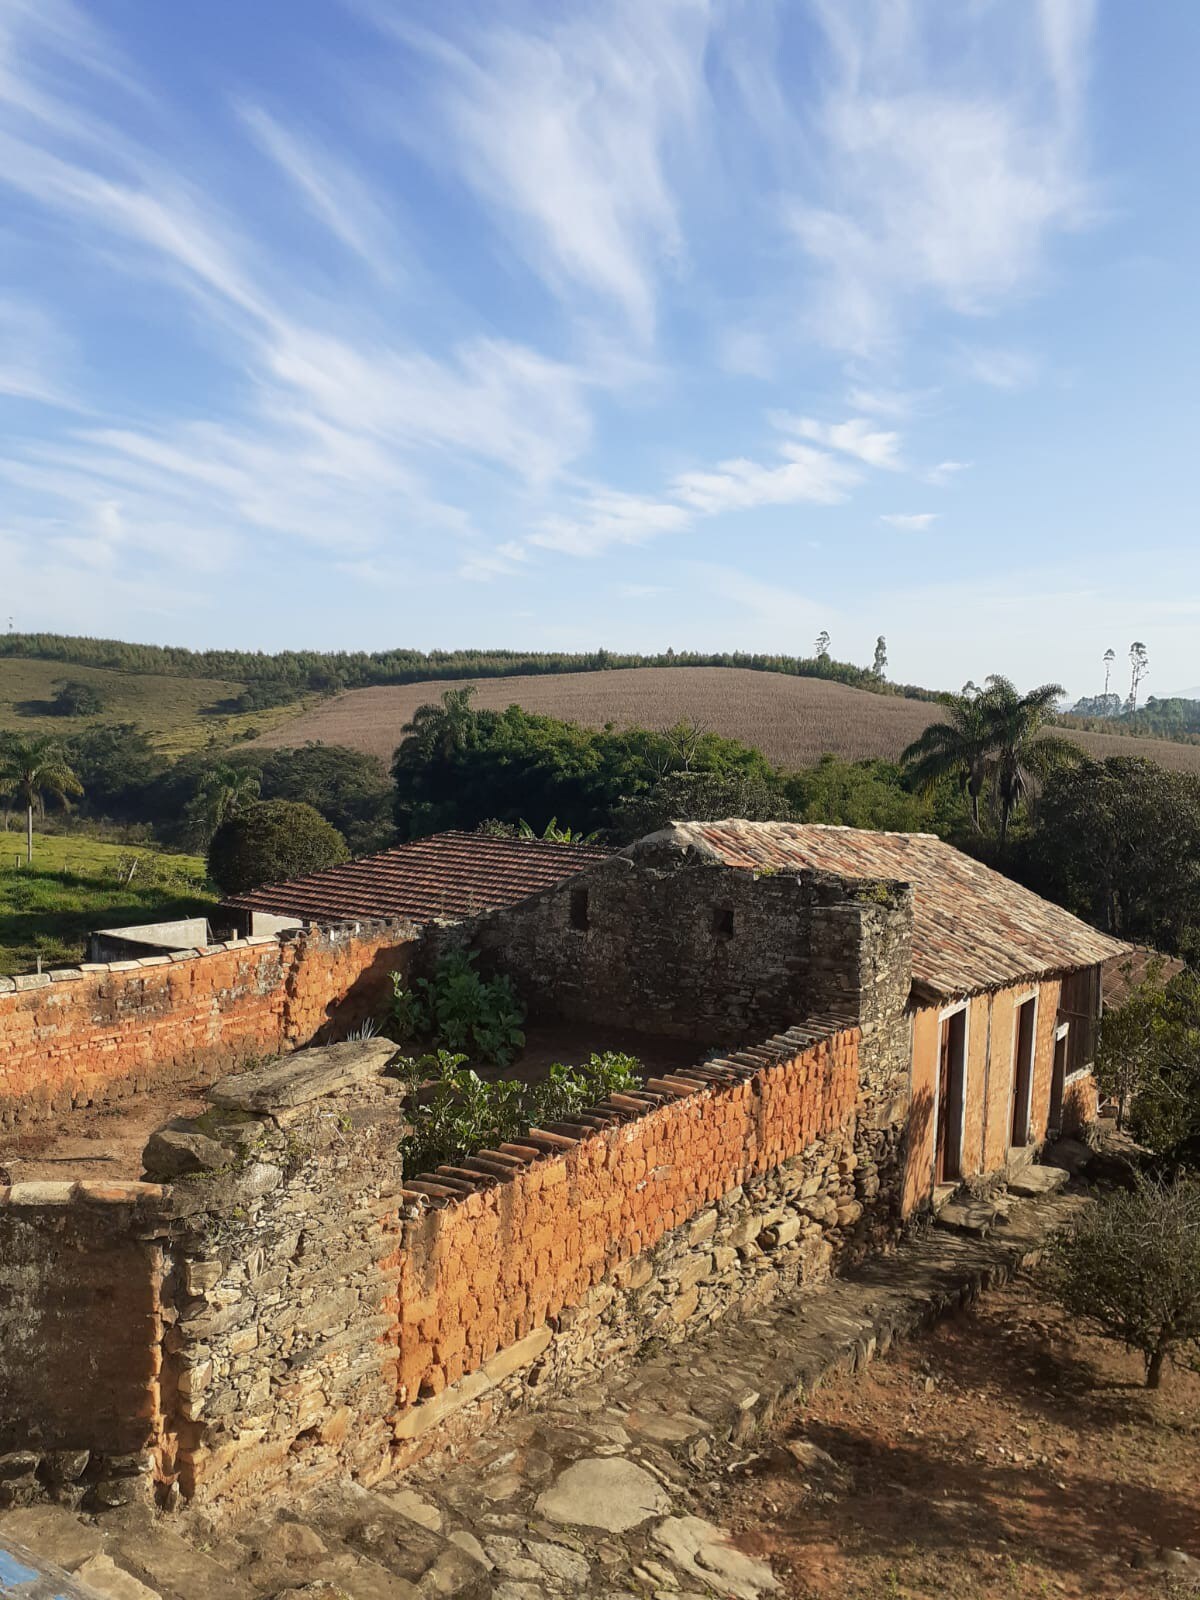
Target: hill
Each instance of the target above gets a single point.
(77, 884)
(180, 713)
(793, 720)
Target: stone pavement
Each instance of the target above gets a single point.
(614, 1491)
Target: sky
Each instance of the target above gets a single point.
(713, 324)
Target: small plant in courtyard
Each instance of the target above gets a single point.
(455, 1112)
(1130, 1266)
(459, 1009)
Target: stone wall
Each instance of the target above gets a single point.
(89, 1035)
(666, 940)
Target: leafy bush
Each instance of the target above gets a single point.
(270, 842)
(1130, 1266)
(74, 698)
(458, 1009)
(455, 1112)
(1148, 1059)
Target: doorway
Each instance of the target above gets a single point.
(952, 1084)
(1022, 1090)
(1058, 1081)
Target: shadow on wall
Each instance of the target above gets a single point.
(918, 1150)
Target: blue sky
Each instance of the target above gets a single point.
(705, 323)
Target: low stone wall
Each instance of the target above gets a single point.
(93, 1034)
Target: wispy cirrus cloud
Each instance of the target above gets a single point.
(857, 437)
(334, 193)
(562, 128)
(910, 521)
(945, 472)
(945, 175)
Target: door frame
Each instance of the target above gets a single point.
(1058, 1086)
(1018, 1006)
(944, 1016)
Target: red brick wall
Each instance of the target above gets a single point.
(481, 1273)
(93, 1034)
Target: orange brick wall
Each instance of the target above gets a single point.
(93, 1034)
(480, 1274)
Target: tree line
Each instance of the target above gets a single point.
(272, 679)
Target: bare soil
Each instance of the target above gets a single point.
(793, 721)
(1004, 1455)
(95, 1142)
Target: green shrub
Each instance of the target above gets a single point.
(269, 842)
(455, 1112)
(458, 1009)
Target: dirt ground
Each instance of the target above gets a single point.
(1002, 1455)
(95, 1142)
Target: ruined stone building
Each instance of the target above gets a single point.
(837, 1028)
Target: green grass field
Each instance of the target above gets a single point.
(180, 714)
(77, 884)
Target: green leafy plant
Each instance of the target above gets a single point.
(455, 1112)
(459, 1009)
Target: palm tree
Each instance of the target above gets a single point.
(957, 748)
(223, 792)
(442, 730)
(31, 769)
(1020, 750)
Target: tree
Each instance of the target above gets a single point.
(879, 665)
(1118, 843)
(822, 646)
(31, 769)
(957, 748)
(442, 729)
(74, 698)
(1020, 750)
(270, 842)
(349, 788)
(1139, 663)
(700, 797)
(222, 793)
(1130, 1266)
(1110, 656)
(992, 736)
(1148, 1059)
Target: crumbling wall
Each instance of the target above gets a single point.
(81, 1323)
(93, 1034)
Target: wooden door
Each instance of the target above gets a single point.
(1023, 1072)
(1058, 1083)
(951, 1084)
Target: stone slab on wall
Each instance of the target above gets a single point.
(90, 1035)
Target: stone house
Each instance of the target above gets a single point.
(988, 1001)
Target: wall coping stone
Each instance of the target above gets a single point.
(303, 1076)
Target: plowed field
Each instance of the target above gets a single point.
(794, 721)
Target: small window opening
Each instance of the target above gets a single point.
(722, 922)
(579, 909)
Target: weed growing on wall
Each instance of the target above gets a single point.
(458, 1009)
(456, 1113)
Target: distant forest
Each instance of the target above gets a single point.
(273, 679)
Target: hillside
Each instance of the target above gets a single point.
(180, 713)
(794, 721)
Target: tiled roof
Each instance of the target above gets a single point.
(446, 875)
(1133, 966)
(973, 929)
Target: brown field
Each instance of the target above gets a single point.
(794, 721)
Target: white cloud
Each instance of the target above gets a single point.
(897, 403)
(945, 472)
(856, 437)
(608, 517)
(484, 565)
(1000, 369)
(333, 192)
(950, 153)
(911, 521)
(562, 128)
(741, 485)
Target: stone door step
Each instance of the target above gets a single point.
(976, 1217)
(1037, 1180)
